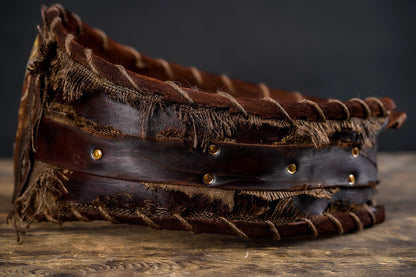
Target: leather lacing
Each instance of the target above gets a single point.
(315, 232)
(139, 62)
(149, 222)
(336, 222)
(184, 222)
(273, 228)
(357, 221)
(372, 215)
(236, 230)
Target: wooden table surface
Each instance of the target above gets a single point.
(104, 249)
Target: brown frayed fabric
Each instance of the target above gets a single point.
(75, 81)
(107, 133)
(42, 197)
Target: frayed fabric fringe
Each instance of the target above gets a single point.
(320, 193)
(46, 188)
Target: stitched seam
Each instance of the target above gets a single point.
(62, 10)
(273, 228)
(379, 104)
(233, 101)
(371, 214)
(357, 221)
(336, 222)
(316, 107)
(80, 25)
(236, 230)
(346, 111)
(78, 215)
(69, 38)
(88, 55)
(166, 66)
(315, 232)
(146, 219)
(265, 90)
(182, 93)
(124, 72)
(227, 81)
(106, 214)
(197, 75)
(104, 38)
(364, 105)
(279, 107)
(139, 63)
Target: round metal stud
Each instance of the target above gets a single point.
(351, 179)
(355, 151)
(213, 150)
(97, 154)
(291, 169)
(208, 179)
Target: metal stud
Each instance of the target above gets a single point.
(351, 179)
(355, 151)
(291, 168)
(213, 150)
(208, 179)
(97, 154)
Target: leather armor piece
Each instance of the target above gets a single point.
(106, 133)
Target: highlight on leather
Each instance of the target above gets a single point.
(108, 133)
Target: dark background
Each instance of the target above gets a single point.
(337, 49)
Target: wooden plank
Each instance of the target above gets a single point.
(99, 247)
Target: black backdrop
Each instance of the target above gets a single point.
(337, 49)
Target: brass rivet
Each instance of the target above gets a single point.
(213, 150)
(97, 154)
(208, 179)
(291, 169)
(355, 151)
(351, 179)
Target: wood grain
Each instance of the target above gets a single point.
(101, 248)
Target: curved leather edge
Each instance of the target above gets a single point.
(102, 63)
(322, 225)
(396, 119)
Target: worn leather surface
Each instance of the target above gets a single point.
(83, 189)
(175, 161)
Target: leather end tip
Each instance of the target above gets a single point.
(396, 119)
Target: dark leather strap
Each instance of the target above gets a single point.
(175, 161)
(166, 120)
(85, 188)
(90, 197)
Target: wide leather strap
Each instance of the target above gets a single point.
(85, 188)
(175, 161)
(90, 197)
